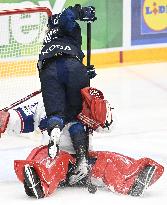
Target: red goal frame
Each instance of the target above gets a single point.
(26, 10)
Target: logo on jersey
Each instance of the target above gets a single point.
(29, 109)
(56, 46)
(155, 14)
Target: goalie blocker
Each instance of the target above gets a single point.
(42, 175)
(4, 119)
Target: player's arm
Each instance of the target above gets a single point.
(67, 19)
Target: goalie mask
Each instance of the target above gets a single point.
(96, 111)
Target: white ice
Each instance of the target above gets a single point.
(138, 94)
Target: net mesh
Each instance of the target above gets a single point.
(21, 40)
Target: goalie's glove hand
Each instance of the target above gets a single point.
(91, 71)
(53, 146)
(84, 13)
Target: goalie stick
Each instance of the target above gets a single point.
(21, 101)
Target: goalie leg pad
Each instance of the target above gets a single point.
(120, 173)
(32, 182)
(142, 181)
(51, 172)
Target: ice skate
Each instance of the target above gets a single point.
(32, 183)
(53, 146)
(81, 168)
(80, 172)
(143, 180)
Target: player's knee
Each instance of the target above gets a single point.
(53, 122)
(77, 134)
(76, 129)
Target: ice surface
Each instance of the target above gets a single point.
(138, 94)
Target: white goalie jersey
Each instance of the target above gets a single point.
(30, 116)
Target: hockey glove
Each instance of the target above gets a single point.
(91, 71)
(88, 14)
(84, 13)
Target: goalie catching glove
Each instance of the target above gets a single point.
(96, 111)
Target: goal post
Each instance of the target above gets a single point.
(21, 35)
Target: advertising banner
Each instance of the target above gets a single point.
(149, 21)
(106, 31)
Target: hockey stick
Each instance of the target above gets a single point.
(91, 188)
(88, 64)
(88, 43)
(21, 100)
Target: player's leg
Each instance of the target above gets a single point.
(77, 80)
(79, 141)
(54, 99)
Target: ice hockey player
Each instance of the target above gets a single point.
(41, 174)
(63, 75)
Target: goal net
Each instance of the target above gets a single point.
(21, 36)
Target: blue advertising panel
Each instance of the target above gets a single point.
(149, 22)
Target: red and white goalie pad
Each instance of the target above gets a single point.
(115, 171)
(96, 111)
(50, 171)
(119, 172)
(4, 119)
